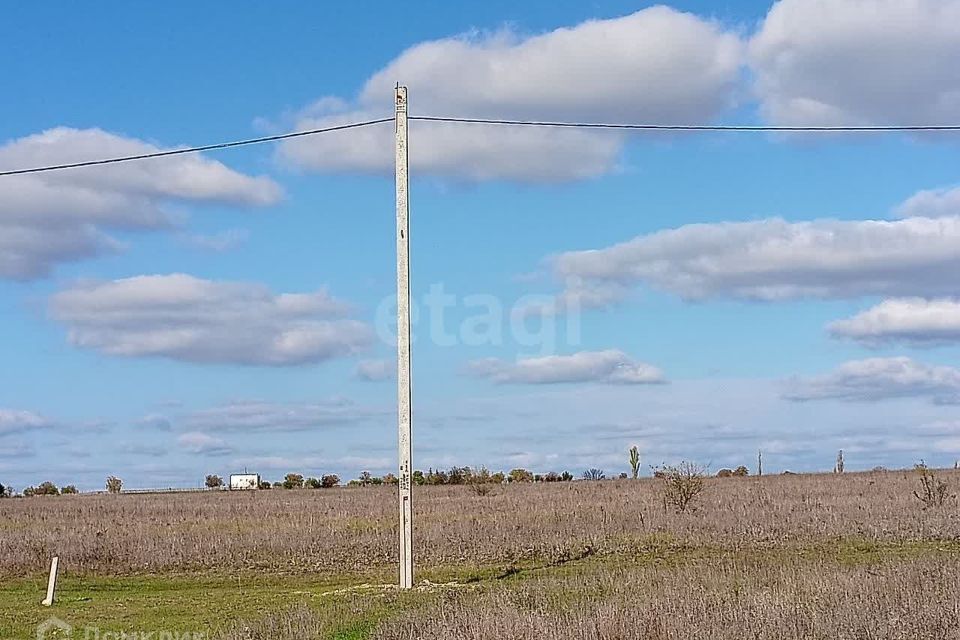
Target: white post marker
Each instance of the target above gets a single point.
(52, 582)
(404, 423)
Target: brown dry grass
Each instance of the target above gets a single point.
(355, 529)
(728, 599)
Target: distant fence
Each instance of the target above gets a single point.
(167, 490)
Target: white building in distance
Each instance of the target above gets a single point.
(244, 481)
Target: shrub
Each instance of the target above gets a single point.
(213, 481)
(459, 475)
(390, 479)
(725, 473)
(265, 485)
(292, 481)
(933, 490)
(682, 484)
(520, 475)
(329, 481)
(481, 476)
(498, 478)
(46, 489)
(593, 474)
(417, 477)
(69, 490)
(482, 488)
(114, 484)
(435, 477)
(312, 483)
(741, 472)
(5, 492)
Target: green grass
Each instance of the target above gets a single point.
(207, 603)
(153, 603)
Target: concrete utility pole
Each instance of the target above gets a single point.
(404, 424)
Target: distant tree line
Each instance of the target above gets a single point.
(42, 489)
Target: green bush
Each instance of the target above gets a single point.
(47, 489)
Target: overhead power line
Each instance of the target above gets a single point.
(522, 123)
(692, 127)
(207, 147)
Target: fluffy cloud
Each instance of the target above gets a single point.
(202, 443)
(932, 203)
(915, 321)
(266, 416)
(859, 62)
(155, 421)
(16, 421)
(62, 216)
(610, 366)
(600, 70)
(376, 370)
(186, 318)
(317, 464)
(777, 260)
(879, 379)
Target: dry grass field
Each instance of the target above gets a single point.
(799, 556)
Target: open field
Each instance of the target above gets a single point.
(852, 555)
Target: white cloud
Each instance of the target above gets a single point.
(202, 443)
(17, 421)
(267, 416)
(62, 216)
(879, 379)
(915, 321)
(16, 450)
(777, 260)
(376, 370)
(216, 242)
(194, 320)
(155, 421)
(610, 366)
(314, 464)
(656, 65)
(859, 62)
(143, 449)
(931, 203)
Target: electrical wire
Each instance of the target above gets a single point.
(522, 123)
(208, 147)
(691, 127)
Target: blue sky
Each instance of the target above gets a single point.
(702, 296)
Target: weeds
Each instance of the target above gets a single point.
(682, 484)
(318, 530)
(933, 490)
